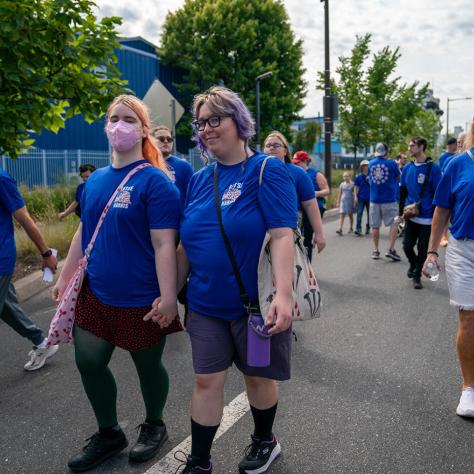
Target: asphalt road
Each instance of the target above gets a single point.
(374, 390)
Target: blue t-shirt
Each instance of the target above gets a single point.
(444, 159)
(413, 177)
(10, 201)
(304, 186)
(313, 173)
(248, 210)
(181, 172)
(456, 192)
(79, 191)
(121, 267)
(362, 182)
(383, 176)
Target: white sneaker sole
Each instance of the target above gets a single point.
(275, 453)
(469, 413)
(39, 366)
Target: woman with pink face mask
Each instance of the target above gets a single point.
(132, 264)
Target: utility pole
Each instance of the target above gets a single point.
(327, 100)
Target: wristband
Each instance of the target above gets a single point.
(433, 252)
(47, 254)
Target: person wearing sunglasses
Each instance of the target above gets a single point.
(180, 170)
(277, 145)
(217, 320)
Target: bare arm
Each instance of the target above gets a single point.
(356, 194)
(24, 219)
(282, 251)
(165, 307)
(314, 216)
(323, 186)
(69, 210)
(338, 199)
(183, 267)
(440, 221)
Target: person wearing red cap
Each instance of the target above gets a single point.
(321, 189)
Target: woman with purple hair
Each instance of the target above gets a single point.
(217, 322)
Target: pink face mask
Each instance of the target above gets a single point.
(122, 135)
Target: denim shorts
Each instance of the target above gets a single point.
(217, 343)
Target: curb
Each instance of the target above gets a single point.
(32, 285)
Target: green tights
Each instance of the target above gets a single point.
(92, 359)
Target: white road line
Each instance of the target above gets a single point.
(235, 410)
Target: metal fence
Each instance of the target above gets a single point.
(52, 167)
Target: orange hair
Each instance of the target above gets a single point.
(150, 151)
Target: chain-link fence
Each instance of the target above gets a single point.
(52, 167)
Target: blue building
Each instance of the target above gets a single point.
(148, 78)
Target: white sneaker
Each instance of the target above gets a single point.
(466, 403)
(38, 357)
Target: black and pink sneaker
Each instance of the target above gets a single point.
(259, 455)
(192, 466)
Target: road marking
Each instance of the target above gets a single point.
(235, 410)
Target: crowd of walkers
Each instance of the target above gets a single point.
(148, 225)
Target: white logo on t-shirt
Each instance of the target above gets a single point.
(421, 178)
(172, 173)
(379, 173)
(231, 194)
(123, 198)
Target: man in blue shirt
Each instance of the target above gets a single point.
(418, 228)
(450, 151)
(13, 205)
(180, 170)
(362, 196)
(383, 176)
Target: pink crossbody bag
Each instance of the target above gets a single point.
(60, 329)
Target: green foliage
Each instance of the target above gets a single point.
(307, 136)
(56, 61)
(374, 105)
(232, 42)
(45, 203)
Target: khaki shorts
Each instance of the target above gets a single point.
(385, 212)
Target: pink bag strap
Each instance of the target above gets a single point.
(107, 206)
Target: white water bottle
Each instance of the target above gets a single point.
(432, 270)
(48, 275)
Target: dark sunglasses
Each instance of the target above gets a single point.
(165, 139)
(274, 145)
(213, 122)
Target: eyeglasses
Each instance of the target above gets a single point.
(165, 139)
(273, 145)
(213, 122)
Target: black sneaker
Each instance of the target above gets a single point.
(150, 440)
(358, 232)
(392, 253)
(259, 455)
(417, 285)
(410, 272)
(96, 451)
(375, 254)
(190, 466)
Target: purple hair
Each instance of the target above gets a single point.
(223, 101)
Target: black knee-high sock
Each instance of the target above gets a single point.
(263, 420)
(202, 438)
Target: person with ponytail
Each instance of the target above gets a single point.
(132, 265)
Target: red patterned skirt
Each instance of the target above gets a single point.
(122, 327)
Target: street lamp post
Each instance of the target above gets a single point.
(257, 105)
(448, 100)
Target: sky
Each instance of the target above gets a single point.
(433, 36)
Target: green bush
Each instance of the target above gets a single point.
(45, 203)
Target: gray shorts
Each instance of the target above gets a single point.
(385, 212)
(217, 343)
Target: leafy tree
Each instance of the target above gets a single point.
(374, 105)
(307, 136)
(231, 42)
(56, 61)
